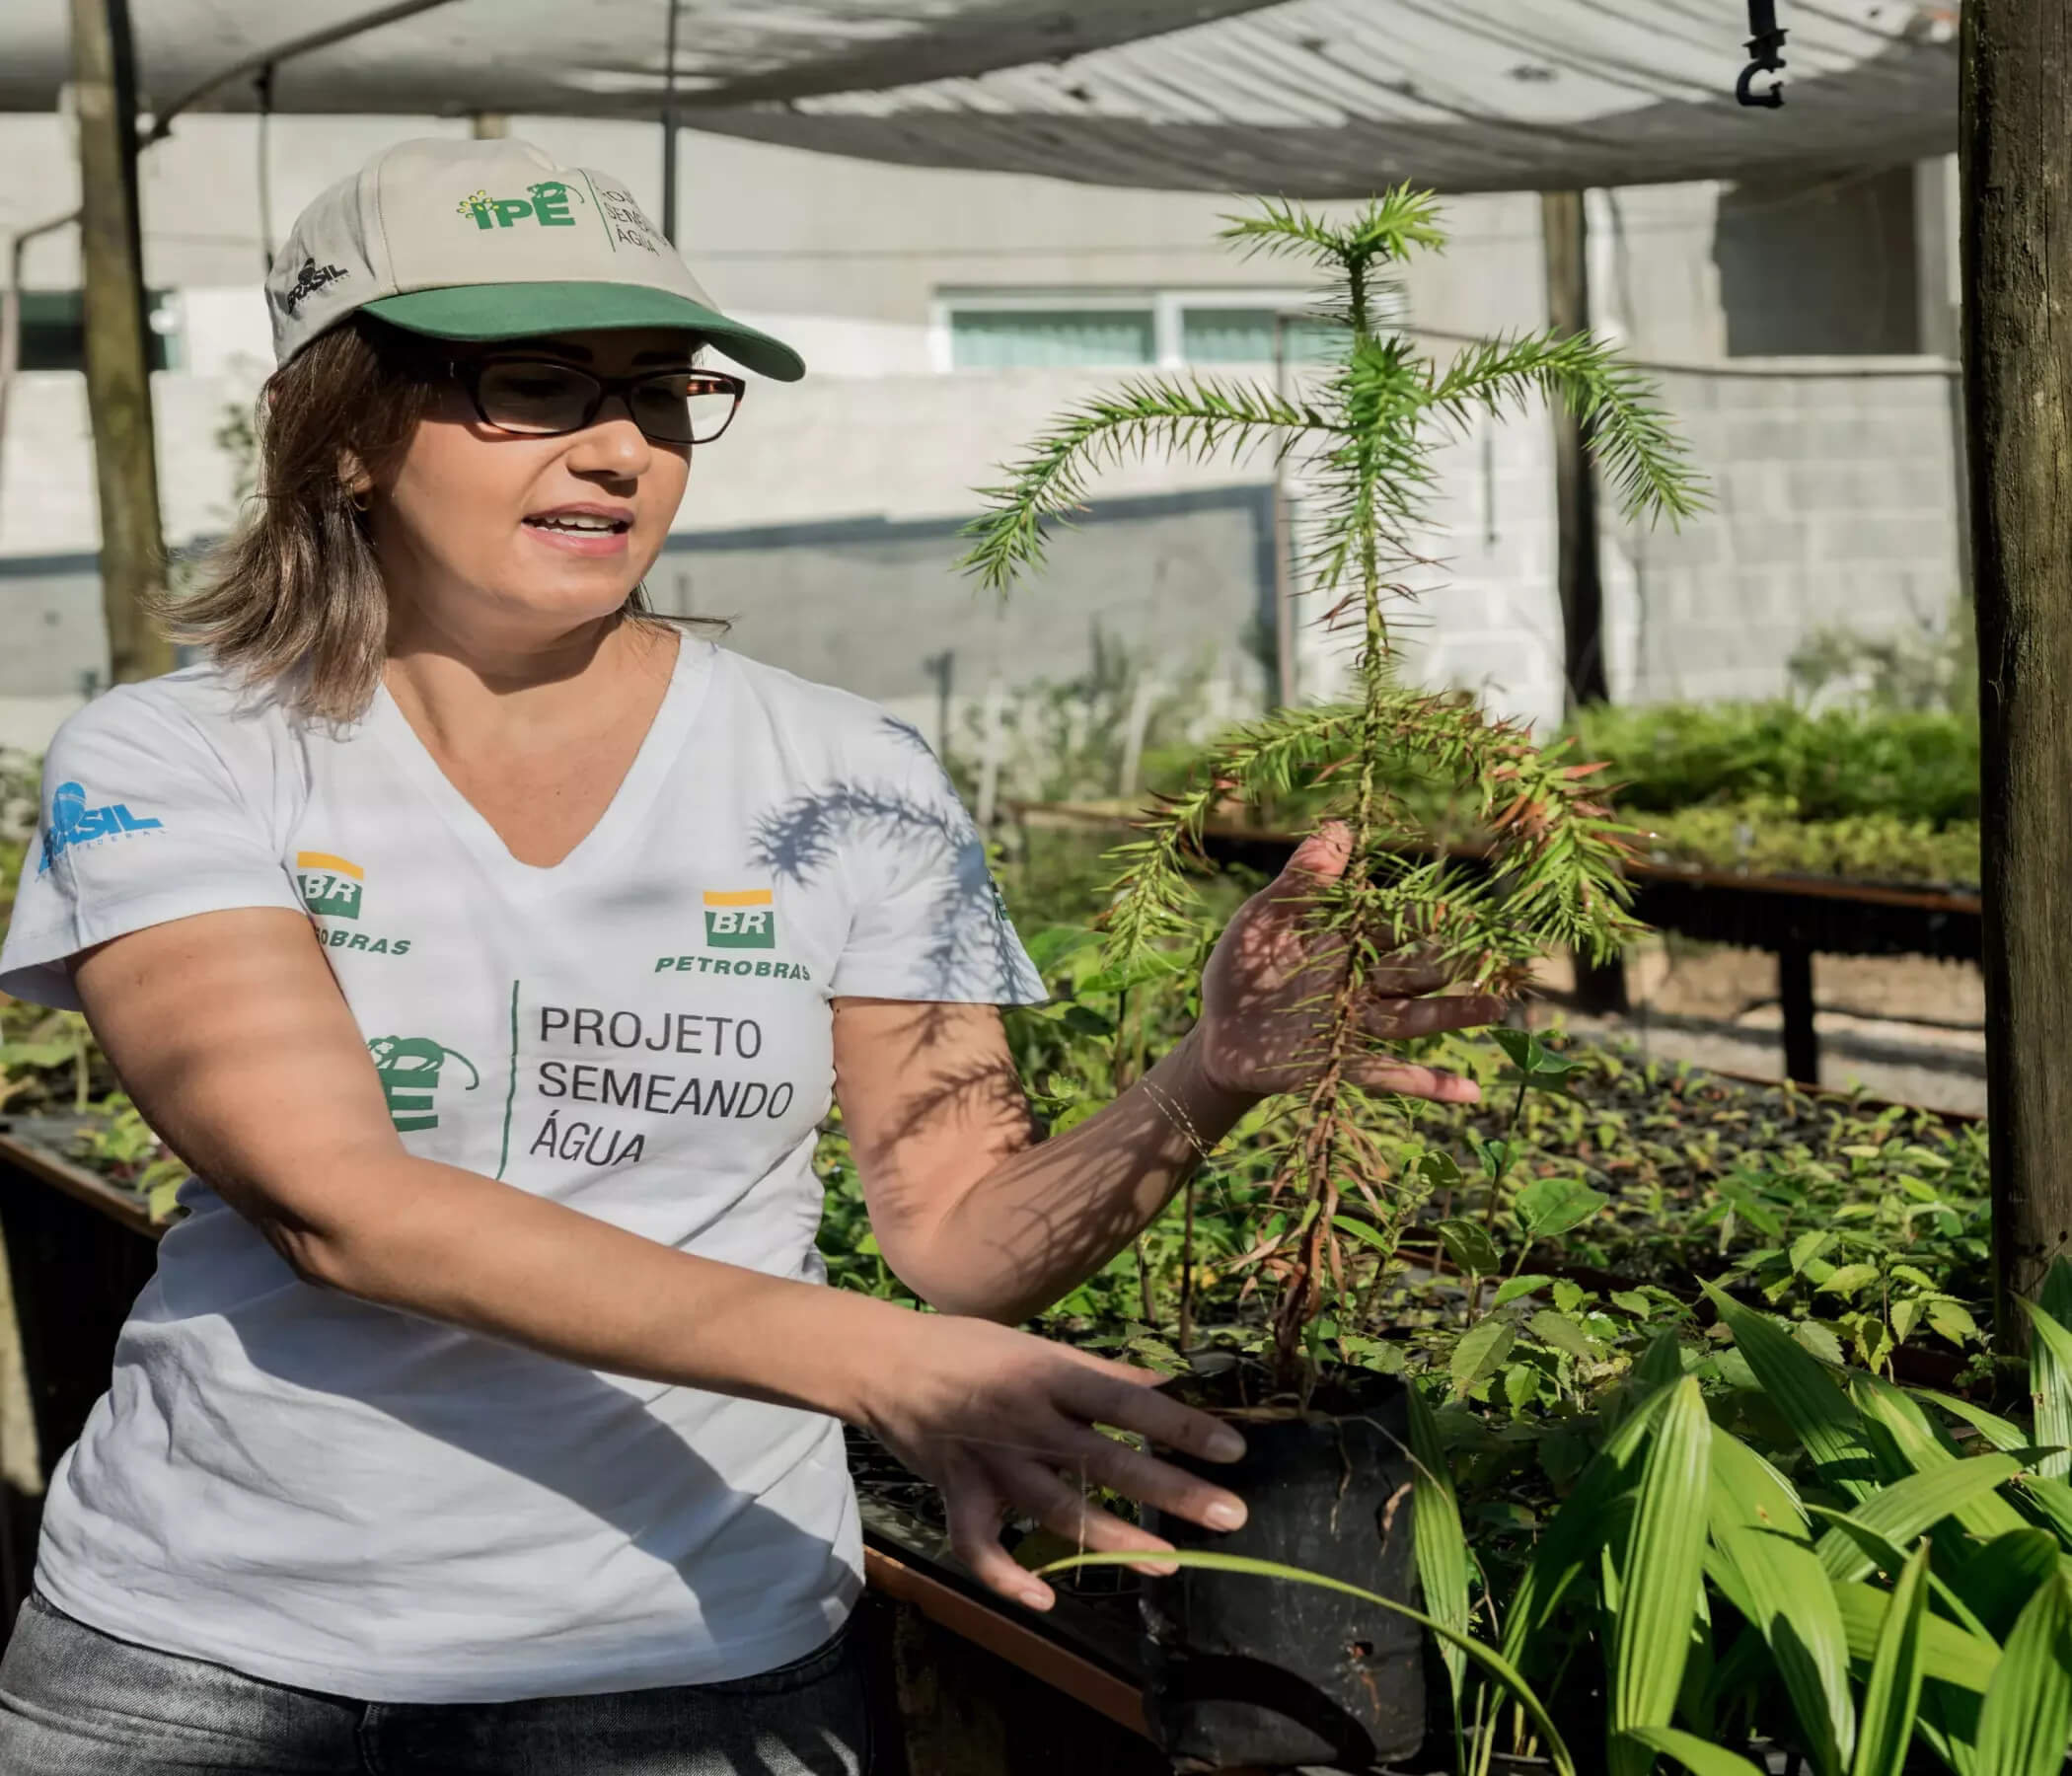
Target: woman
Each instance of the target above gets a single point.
(489, 950)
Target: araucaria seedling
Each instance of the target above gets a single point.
(1363, 431)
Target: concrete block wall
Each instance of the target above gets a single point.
(1835, 505)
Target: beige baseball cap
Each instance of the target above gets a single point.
(492, 240)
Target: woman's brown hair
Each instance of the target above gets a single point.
(293, 598)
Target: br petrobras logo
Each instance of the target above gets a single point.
(743, 918)
(330, 885)
(73, 823)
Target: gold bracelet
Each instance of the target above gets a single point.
(1176, 1116)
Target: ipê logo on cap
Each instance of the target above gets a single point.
(546, 203)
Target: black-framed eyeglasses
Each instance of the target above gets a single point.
(544, 398)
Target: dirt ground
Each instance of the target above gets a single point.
(1901, 1027)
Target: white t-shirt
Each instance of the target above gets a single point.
(323, 1491)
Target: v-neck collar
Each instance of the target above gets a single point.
(624, 814)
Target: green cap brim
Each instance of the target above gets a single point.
(525, 311)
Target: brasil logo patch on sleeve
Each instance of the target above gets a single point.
(743, 918)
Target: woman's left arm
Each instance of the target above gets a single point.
(978, 1218)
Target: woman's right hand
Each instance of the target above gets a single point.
(1001, 1421)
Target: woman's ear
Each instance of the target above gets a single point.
(355, 479)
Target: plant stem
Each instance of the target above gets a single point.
(1186, 1326)
(1496, 1184)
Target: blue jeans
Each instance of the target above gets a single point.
(77, 1702)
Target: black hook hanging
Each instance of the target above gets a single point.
(1764, 41)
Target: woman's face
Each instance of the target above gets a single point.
(533, 536)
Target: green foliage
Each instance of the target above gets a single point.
(1365, 434)
(127, 1150)
(1919, 766)
(1682, 1583)
(1870, 793)
(1765, 837)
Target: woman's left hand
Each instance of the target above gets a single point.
(1267, 992)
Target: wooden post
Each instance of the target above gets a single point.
(2016, 136)
(118, 365)
(1600, 988)
(1574, 489)
(669, 128)
(1795, 1000)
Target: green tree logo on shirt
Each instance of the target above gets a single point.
(410, 1068)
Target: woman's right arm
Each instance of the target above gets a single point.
(232, 1038)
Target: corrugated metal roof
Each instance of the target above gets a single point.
(1312, 98)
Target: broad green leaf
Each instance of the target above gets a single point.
(1512, 1288)
(1904, 1314)
(1660, 1363)
(1949, 1725)
(1550, 1207)
(1540, 1065)
(1563, 1333)
(1659, 1573)
(2055, 1297)
(1522, 1048)
(1480, 1352)
(1365, 1232)
(1438, 1169)
(2026, 1723)
(1053, 943)
(1748, 1493)
(1699, 1756)
(1949, 1653)
(1809, 1246)
(1850, 1278)
(1890, 1558)
(1953, 1320)
(1580, 1527)
(1811, 1336)
(1084, 1020)
(2002, 1434)
(1892, 1691)
(1804, 1392)
(1756, 1213)
(1142, 968)
(2052, 1500)
(1800, 1621)
(1997, 1582)
(1437, 1538)
(1521, 1386)
(2050, 1389)
(1491, 1662)
(1631, 1301)
(1908, 1508)
(37, 1054)
(1468, 1245)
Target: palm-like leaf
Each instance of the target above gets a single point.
(1187, 417)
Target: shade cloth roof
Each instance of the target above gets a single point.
(1311, 98)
